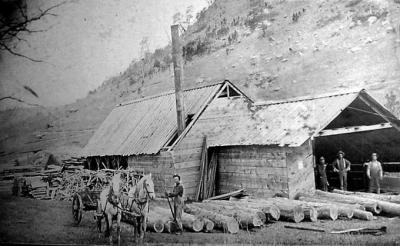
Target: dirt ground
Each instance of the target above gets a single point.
(25, 220)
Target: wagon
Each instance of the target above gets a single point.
(84, 201)
(88, 198)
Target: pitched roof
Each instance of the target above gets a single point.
(145, 125)
(228, 122)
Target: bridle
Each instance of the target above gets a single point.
(136, 199)
(147, 191)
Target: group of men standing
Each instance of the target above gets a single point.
(342, 166)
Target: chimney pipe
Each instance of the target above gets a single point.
(178, 77)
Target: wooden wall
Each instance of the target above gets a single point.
(300, 169)
(261, 170)
(187, 159)
(160, 166)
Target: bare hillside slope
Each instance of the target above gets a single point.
(270, 49)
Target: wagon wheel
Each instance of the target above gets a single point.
(77, 209)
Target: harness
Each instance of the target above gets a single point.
(141, 204)
(113, 200)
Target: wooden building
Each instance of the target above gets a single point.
(265, 147)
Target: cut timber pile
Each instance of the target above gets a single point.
(225, 223)
(73, 163)
(386, 207)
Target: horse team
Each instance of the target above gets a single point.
(111, 208)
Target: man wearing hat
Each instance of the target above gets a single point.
(341, 165)
(177, 194)
(322, 173)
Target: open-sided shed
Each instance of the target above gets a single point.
(266, 147)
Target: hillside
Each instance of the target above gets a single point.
(270, 49)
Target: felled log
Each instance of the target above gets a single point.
(370, 205)
(310, 213)
(328, 212)
(362, 215)
(192, 223)
(155, 222)
(222, 222)
(240, 207)
(310, 210)
(344, 210)
(244, 218)
(381, 197)
(289, 211)
(324, 200)
(271, 211)
(170, 226)
(208, 225)
(189, 222)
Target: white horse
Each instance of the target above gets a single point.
(138, 203)
(110, 206)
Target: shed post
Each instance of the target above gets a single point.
(178, 76)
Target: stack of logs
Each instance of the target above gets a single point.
(230, 216)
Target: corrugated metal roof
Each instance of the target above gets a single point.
(144, 126)
(228, 122)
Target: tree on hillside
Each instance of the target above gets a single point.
(144, 47)
(16, 22)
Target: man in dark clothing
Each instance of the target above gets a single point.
(341, 165)
(177, 194)
(322, 174)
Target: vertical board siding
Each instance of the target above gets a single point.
(187, 165)
(160, 166)
(261, 170)
(300, 169)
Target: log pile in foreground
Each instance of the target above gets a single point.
(234, 214)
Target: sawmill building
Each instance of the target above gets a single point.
(230, 142)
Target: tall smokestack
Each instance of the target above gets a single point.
(178, 76)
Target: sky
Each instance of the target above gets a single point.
(86, 43)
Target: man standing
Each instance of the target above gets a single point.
(177, 194)
(342, 166)
(374, 173)
(322, 174)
